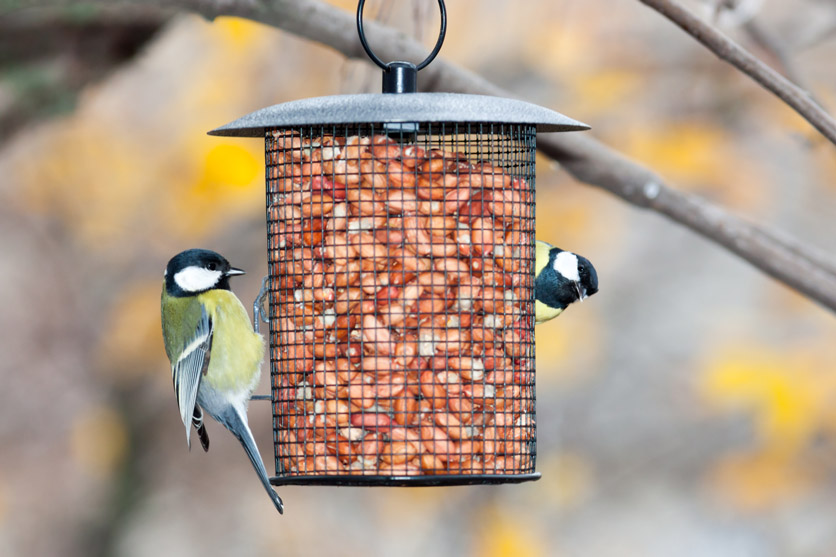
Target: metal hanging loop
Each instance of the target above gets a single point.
(383, 65)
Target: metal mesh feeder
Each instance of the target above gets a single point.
(400, 234)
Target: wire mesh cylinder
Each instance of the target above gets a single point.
(401, 262)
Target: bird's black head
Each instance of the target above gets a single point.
(588, 276)
(566, 279)
(197, 270)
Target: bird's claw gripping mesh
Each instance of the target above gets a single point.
(401, 303)
(259, 315)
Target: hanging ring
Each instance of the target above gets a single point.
(384, 65)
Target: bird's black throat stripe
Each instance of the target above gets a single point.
(550, 290)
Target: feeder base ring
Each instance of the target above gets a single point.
(406, 481)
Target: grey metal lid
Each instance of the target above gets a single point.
(395, 108)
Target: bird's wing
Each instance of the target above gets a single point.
(190, 366)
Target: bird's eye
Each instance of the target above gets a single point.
(211, 266)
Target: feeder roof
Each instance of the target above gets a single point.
(399, 108)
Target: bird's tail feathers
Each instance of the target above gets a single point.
(237, 424)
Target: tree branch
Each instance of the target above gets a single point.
(726, 49)
(588, 160)
(778, 51)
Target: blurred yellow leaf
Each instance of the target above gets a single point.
(91, 182)
(759, 481)
(556, 53)
(228, 164)
(789, 393)
(698, 155)
(348, 5)
(574, 218)
(506, 534)
(687, 152)
(239, 33)
(133, 159)
(560, 221)
(98, 441)
(785, 396)
(599, 91)
(227, 183)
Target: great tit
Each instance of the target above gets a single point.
(561, 278)
(215, 354)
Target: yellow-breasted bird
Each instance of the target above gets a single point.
(215, 354)
(561, 278)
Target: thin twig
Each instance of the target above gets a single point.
(775, 49)
(778, 51)
(726, 49)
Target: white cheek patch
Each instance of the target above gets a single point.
(566, 264)
(195, 279)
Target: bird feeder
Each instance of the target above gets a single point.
(400, 234)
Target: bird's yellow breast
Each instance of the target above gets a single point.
(237, 351)
(543, 313)
(541, 256)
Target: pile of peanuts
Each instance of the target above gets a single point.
(402, 301)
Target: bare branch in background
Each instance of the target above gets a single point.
(726, 49)
(775, 49)
(808, 271)
(47, 58)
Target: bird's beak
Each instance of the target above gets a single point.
(233, 271)
(581, 291)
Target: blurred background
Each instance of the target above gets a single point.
(689, 408)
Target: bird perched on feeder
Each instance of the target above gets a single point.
(215, 354)
(561, 278)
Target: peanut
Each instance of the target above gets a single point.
(371, 421)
